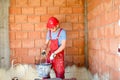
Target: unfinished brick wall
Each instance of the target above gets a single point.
(104, 38)
(28, 28)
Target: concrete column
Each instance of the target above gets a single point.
(86, 34)
(4, 34)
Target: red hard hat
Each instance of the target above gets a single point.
(52, 22)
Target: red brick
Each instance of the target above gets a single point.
(101, 32)
(95, 12)
(40, 10)
(27, 27)
(34, 52)
(95, 57)
(69, 43)
(40, 27)
(89, 16)
(93, 70)
(65, 10)
(27, 11)
(77, 10)
(34, 19)
(12, 51)
(79, 60)
(21, 51)
(61, 18)
(96, 3)
(72, 18)
(15, 27)
(21, 3)
(81, 51)
(90, 34)
(115, 14)
(118, 40)
(81, 34)
(21, 35)
(106, 19)
(102, 7)
(98, 23)
(53, 10)
(46, 2)
(15, 44)
(60, 3)
(78, 26)
(28, 59)
(27, 43)
(12, 2)
(98, 10)
(75, 3)
(92, 24)
(89, 26)
(114, 75)
(66, 26)
(110, 60)
(68, 59)
(110, 17)
(102, 20)
(12, 36)
(78, 43)
(15, 10)
(34, 35)
(72, 35)
(117, 29)
(98, 45)
(39, 43)
(116, 2)
(20, 19)
(90, 43)
(104, 69)
(102, 56)
(90, 6)
(81, 18)
(43, 35)
(105, 45)
(89, 1)
(113, 45)
(109, 31)
(45, 18)
(11, 18)
(35, 3)
(72, 51)
(117, 63)
(108, 4)
(94, 34)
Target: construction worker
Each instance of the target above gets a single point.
(56, 36)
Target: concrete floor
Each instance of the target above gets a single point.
(75, 72)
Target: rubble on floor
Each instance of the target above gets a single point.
(27, 72)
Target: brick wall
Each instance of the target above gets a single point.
(104, 37)
(28, 28)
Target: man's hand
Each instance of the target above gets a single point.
(43, 52)
(52, 56)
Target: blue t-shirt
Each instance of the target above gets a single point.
(62, 36)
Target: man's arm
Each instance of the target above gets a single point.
(46, 45)
(62, 47)
(44, 48)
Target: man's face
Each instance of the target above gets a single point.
(53, 29)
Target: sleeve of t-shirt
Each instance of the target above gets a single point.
(63, 35)
(47, 36)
